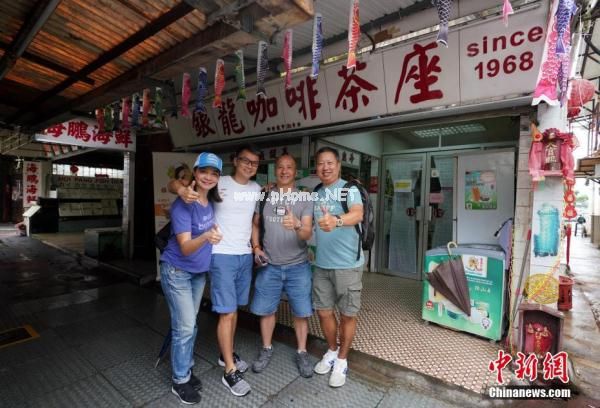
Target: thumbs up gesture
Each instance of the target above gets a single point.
(214, 235)
(289, 220)
(327, 221)
(189, 194)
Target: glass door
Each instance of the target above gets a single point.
(418, 210)
(402, 215)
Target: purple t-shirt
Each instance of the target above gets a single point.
(194, 218)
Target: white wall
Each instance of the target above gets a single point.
(370, 143)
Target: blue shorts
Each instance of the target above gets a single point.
(230, 279)
(295, 280)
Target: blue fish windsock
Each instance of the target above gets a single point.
(135, 111)
(202, 90)
(564, 12)
(444, 7)
(317, 45)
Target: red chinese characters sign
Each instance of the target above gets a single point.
(32, 182)
(85, 132)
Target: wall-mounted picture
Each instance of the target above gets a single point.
(480, 190)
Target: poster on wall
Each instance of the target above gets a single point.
(32, 182)
(480, 190)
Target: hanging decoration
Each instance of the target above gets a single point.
(108, 119)
(202, 90)
(135, 111)
(145, 107)
(563, 75)
(317, 45)
(126, 109)
(287, 57)
(261, 68)
(535, 154)
(566, 9)
(547, 81)
(186, 93)
(100, 119)
(240, 76)
(444, 7)
(582, 91)
(116, 111)
(169, 89)
(353, 34)
(219, 83)
(506, 11)
(158, 110)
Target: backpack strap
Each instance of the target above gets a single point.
(346, 210)
(261, 218)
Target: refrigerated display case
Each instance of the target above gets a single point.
(485, 269)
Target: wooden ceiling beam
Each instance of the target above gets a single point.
(50, 65)
(34, 22)
(131, 80)
(171, 16)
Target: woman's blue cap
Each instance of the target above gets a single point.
(206, 159)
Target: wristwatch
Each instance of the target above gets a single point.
(338, 222)
(298, 226)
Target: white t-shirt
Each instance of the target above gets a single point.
(234, 217)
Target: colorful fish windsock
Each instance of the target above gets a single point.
(116, 108)
(353, 34)
(566, 9)
(158, 109)
(145, 107)
(135, 111)
(100, 119)
(287, 57)
(563, 76)
(186, 93)
(317, 45)
(444, 7)
(108, 119)
(126, 109)
(202, 90)
(261, 68)
(240, 76)
(219, 83)
(170, 91)
(506, 11)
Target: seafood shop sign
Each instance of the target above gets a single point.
(484, 61)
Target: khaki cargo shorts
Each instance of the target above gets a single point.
(337, 287)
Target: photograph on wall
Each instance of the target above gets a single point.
(480, 190)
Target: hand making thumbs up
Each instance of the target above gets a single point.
(327, 221)
(289, 220)
(214, 235)
(189, 194)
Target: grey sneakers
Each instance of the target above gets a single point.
(240, 364)
(304, 365)
(236, 383)
(263, 359)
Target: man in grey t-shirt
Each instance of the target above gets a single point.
(284, 224)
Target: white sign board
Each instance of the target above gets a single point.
(84, 132)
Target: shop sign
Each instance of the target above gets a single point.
(84, 132)
(32, 182)
(402, 186)
(485, 61)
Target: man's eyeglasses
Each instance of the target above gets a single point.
(248, 162)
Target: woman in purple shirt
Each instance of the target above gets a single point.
(183, 267)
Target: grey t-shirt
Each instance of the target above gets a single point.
(283, 247)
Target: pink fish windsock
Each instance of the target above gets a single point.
(100, 119)
(506, 11)
(564, 12)
(353, 34)
(219, 83)
(126, 109)
(186, 94)
(317, 45)
(145, 107)
(287, 57)
(444, 7)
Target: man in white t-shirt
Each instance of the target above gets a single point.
(232, 259)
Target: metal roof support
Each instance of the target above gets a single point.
(33, 24)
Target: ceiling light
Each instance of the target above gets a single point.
(449, 130)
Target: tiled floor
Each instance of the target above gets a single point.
(390, 327)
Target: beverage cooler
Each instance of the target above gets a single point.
(485, 270)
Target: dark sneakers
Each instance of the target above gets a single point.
(236, 383)
(186, 393)
(196, 383)
(263, 359)
(240, 364)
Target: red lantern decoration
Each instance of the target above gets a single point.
(582, 91)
